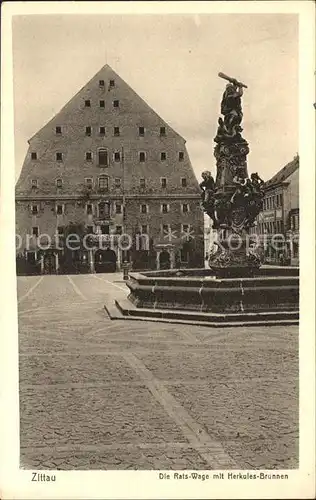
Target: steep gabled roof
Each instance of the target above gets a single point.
(111, 74)
(284, 173)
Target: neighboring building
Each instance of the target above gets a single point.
(280, 216)
(107, 165)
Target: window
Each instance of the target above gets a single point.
(103, 182)
(104, 209)
(118, 208)
(163, 181)
(89, 209)
(141, 131)
(144, 209)
(162, 131)
(142, 182)
(59, 183)
(183, 182)
(103, 158)
(35, 231)
(118, 229)
(88, 130)
(181, 155)
(102, 130)
(112, 84)
(144, 229)
(116, 131)
(117, 182)
(90, 229)
(58, 130)
(34, 209)
(101, 83)
(163, 156)
(34, 183)
(89, 182)
(116, 103)
(60, 230)
(59, 209)
(59, 157)
(34, 155)
(88, 156)
(164, 208)
(185, 208)
(142, 156)
(102, 104)
(87, 103)
(117, 156)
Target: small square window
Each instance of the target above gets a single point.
(163, 182)
(102, 104)
(34, 209)
(59, 183)
(142, 156)
(142, 182)
(164, 208)
(117, 182)
(116, 103)
(143, 209)
(117, 156)
(112, 84)
(87, 103)
(141, 131)
(101, 83)
(60, 230)
(183, 182)
(59, 157)
(163, 156)
(58, 130)
(181, 155)
(118, 229)
(89, 182)
(102, 130)
(88, 156)
(59, 209)
(116, 131)
(88, 130)
(118, 208)
(162, 131)
(35, 231)
(89, 209)
(34, 155)
(34, 183)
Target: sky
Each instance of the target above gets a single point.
(172, 61)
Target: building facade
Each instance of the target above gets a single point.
(108, 169)
(277, 226)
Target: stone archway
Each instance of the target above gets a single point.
(164, 260)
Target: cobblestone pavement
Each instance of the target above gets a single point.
(102, 394)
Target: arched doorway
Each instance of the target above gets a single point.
(164, 260)
(105, 261)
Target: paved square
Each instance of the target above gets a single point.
(102, 394)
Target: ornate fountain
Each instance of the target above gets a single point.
(236, 290)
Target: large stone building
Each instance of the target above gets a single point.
(107, 165)
(280, 216)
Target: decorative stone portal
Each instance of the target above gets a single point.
(236, 289)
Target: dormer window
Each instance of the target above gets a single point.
(58, 130)
(34, 155)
